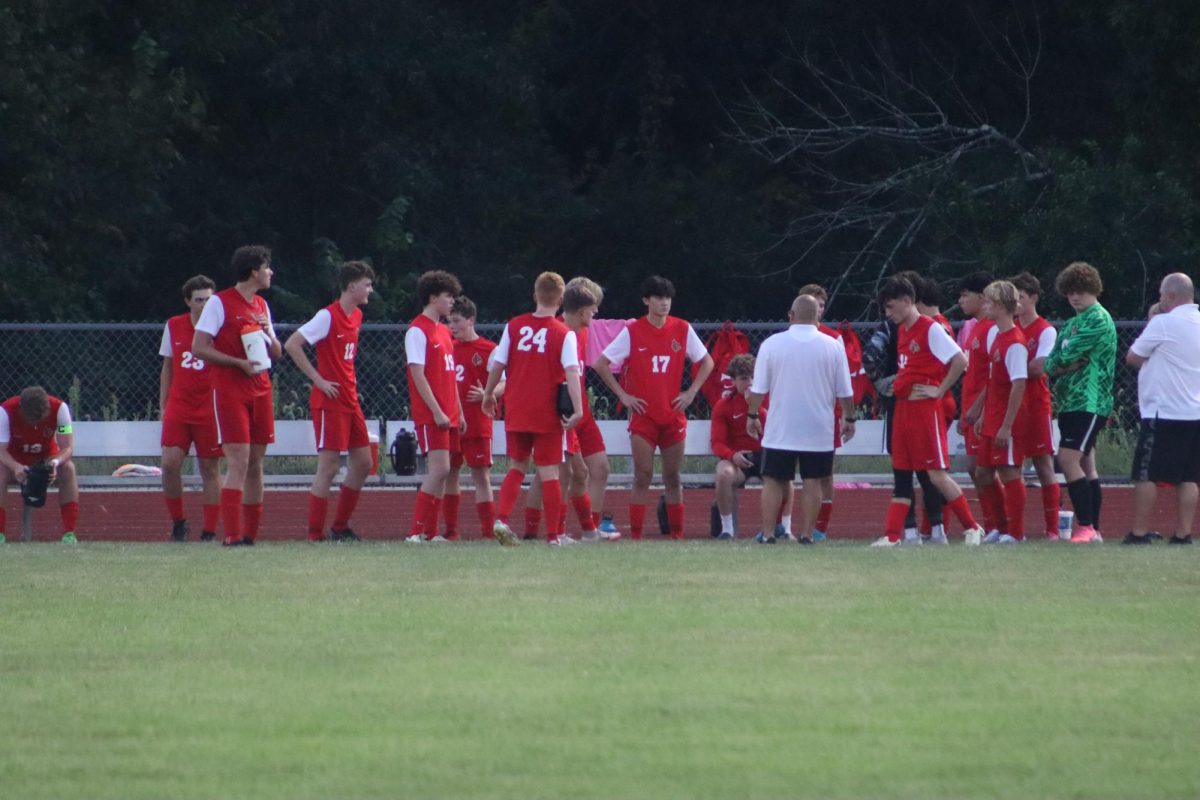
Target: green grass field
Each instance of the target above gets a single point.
(386, 671)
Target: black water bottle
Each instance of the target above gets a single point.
(404, 453)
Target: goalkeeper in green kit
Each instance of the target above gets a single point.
(1081, 367)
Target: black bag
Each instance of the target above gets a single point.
(714, 523)
(664, 525)
(562, 401)
(403, 453)
(37, 480)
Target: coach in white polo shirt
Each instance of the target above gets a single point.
(1168, 447)
(803, 371)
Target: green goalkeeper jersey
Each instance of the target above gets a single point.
(1090, 335)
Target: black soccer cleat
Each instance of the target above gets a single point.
(207, 536)
(804, 540)
(179, 530)
(346, 535)
(1180, 539)
(247, 541)
(1133, 538)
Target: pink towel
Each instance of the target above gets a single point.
(964, 333)
(600, 335)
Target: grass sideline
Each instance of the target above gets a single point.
(656, 670)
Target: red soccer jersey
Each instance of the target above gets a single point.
(31, 443)
(1007, 357)
(581, 340)
(471, 368)
(728, 432)
(1037, 390)
(949, 406)
(917, 355)
(224, 317)
(334, 335)
(654, 364)
(976, 376)
(430, 343)
(535, 351)
(189, 399)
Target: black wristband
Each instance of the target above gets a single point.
(752, 416)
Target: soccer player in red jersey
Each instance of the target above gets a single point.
(1040, 336)
(653, 350)
(1001, 427)
(974, 344)
(472, 357)
(338, 421)
(35, 427)
(234, 324)
(821, 529)
(186, 407)
(539, 353)
(433, 393)
(739, 454)
(932, 518)
(924, 350)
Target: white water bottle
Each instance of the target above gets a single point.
(254, 340)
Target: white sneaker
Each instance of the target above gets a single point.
(884, 541)
(590, 536)
(992, 537)
(416, 538)
(562, 540)
(504, 534)
(440, 539)
(910, 541)
(973, 536)
(938, 537)
(1007, 539)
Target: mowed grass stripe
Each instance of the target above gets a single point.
(654, 670)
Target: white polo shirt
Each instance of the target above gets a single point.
(1169, 381)
(804, 371)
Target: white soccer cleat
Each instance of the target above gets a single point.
(993, 537)
(439, 539)
(973, 536)
(590, 536)
(938, 537)
(562, 540)
(416, 538)
(504, 534)
(884, 541)
(912, 541)
(1007, 539)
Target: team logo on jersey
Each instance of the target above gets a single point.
(676, 346)
(975, 343)
(477, 360)
(996, 355)
(914, 347)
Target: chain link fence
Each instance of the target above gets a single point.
(110, 371)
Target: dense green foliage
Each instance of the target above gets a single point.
(643, 671)
(142, 142)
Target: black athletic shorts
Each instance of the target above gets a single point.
(755, 468)
(1077, 430)
(782, 464)
(1168, 451)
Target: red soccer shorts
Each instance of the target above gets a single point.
(919, 436)
(661, 436)
(29, 459)
(340, 429)
(244, 420)
(971, 440)
(992, 456)
(591, 440)
(546, 448)
(431, 437)
(474, 451)
(1038, 436)
(183, 434)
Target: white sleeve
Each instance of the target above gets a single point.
(1016, 361)
(1046, 341)
(696, 351)
(164, 349)
(842, 386)
(1151, 337)
(5, 435)
(618, 349)
(64, 415)
(570, 351)
(993, 332)
(761, 383)
(500, 354)
(414, 345)
(941, 345)
(212, 317)
(317, 328)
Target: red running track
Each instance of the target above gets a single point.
(384, 514)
